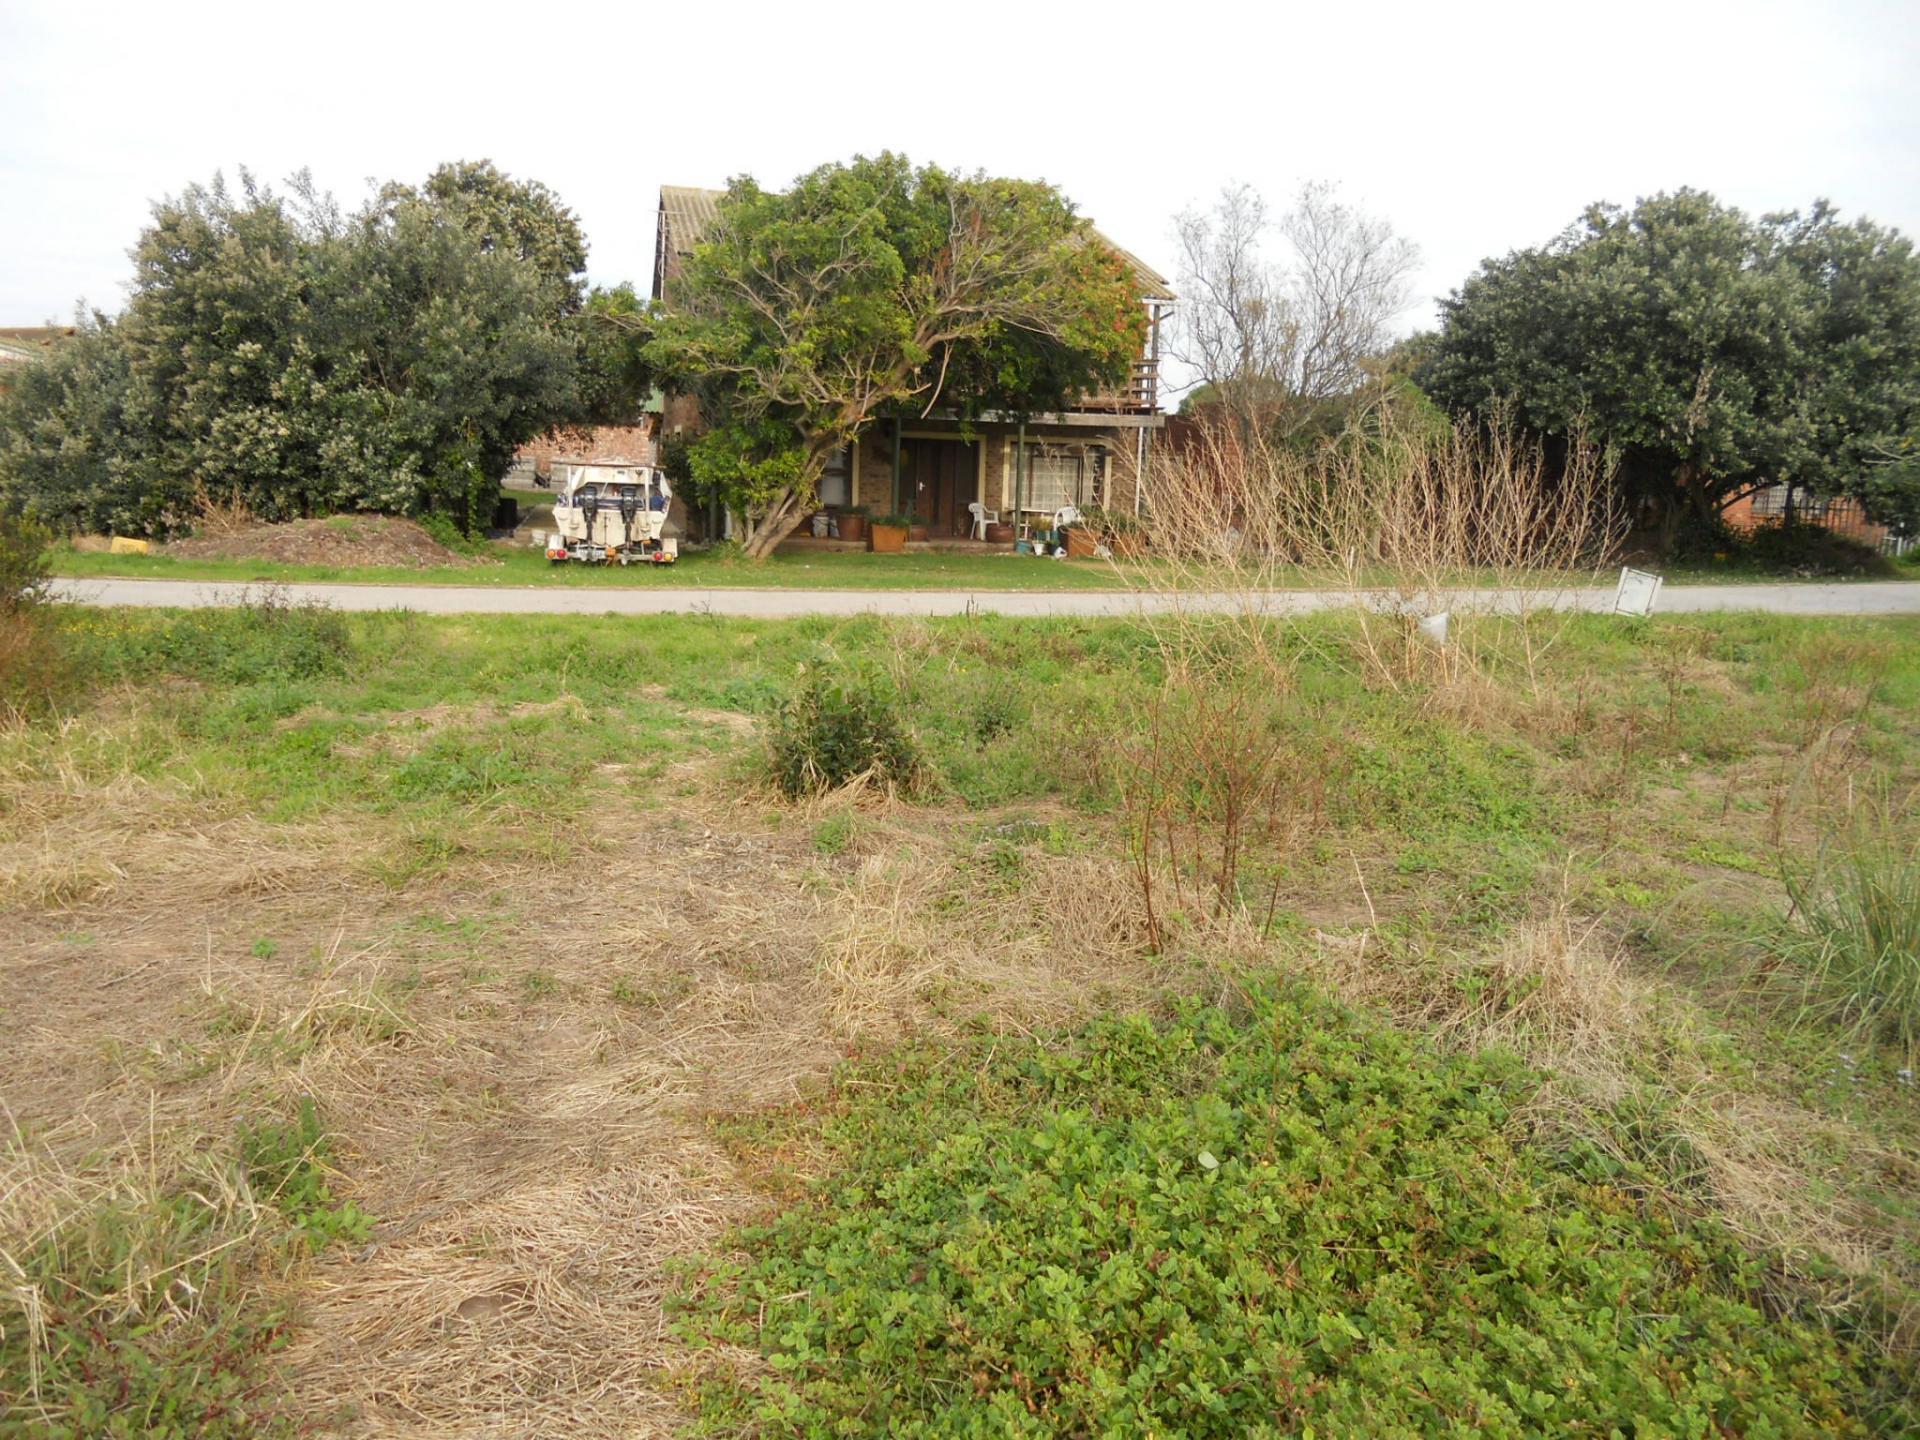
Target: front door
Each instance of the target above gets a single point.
(938, 480)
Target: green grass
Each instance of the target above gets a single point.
(1858, 903)
(521, 565)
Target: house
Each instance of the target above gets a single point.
(1843, 516)
(1091, 454)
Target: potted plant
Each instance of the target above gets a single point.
(1081, 541)
(1121, 531)
(917, 530)
(1000, 532)
(853, 523)
(887, 534)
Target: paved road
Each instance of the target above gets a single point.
(1892, 597)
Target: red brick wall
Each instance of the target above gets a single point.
(608, 444)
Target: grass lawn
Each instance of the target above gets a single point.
(440, 1023)
(520, 565)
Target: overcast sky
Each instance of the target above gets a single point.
(1474, 129)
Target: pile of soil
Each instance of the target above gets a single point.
(334, 540)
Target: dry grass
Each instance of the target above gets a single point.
(519, 1090)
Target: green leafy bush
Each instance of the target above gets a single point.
(1272, 1221)
(1809, 551)
(837, 725)
(25, 568)
(34, 672)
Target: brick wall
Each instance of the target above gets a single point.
(605, 444)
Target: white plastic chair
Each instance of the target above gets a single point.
(982, 517)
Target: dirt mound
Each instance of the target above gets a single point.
(335, 540)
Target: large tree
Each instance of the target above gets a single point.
(511, 216)
(876, 288)
(1714, 352)
(1282, 314)
(308, 362)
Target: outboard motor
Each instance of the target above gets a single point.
(629, 507)
(589, 509)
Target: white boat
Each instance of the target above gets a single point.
(608, 513)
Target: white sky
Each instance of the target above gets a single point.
(1474, 128)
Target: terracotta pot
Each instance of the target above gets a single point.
(1000, 534)
(918, 533)
(853, 527)
(886, 539)
(1080, 543)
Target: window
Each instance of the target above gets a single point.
(1770, 500)
(836, 481)
(1062, 475)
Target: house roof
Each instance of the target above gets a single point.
(23, 343)
(686, 211)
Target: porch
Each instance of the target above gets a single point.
(933, 545)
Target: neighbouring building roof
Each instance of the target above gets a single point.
(23, 343)
(686, 211)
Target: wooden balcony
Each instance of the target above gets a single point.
(1140, 395)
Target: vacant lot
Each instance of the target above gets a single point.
(444, 1027)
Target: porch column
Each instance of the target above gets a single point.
(1019, 474)
(897, 508)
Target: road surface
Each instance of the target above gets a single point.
(1889, 597)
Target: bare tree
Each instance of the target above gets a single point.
(1276, 339)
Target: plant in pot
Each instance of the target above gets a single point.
(887, 534)
(853, 523)
(1121, 531)
(917, 530)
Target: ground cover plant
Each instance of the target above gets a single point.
(517, 903)
(1261, 1218)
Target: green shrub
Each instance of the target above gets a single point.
(1859, 908)
(35, 674)
(1810, 551)
(445, 529)
(1274, 1221)
(837, 725)
(26, 568)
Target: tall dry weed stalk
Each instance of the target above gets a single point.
(1401, 523)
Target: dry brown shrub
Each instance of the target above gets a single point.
(215, 517)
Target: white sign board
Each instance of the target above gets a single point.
(1638, 590)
